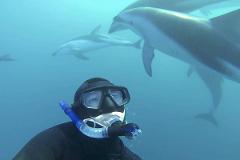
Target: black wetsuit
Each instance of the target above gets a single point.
(65, 142)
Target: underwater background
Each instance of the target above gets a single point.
(163, 106)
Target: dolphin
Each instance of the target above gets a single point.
(6, 57)
(185, 6)
(93, 41)
(193, 40)
(213, 82)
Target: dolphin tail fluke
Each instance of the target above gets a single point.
(81, 56)
(138, 44)
(208, 117)
(147, 56)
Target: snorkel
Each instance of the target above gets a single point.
(99, 133)
(88, 131)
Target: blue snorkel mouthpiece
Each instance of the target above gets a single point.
(129, 130)
(84, 128)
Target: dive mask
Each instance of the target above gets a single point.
(93, 99)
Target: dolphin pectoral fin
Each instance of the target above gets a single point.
(213, 81)
(96, 30)
(81, 56)
(148, 55)
(208, 117)
(190, 71)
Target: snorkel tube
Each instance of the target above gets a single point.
(85, 129)
(128, 130)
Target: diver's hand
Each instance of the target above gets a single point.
(129, 130)
(132, 131)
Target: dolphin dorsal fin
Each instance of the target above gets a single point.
(228, 18)
(96, 30)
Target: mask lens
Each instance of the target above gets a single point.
(92, 99)
(117, 96)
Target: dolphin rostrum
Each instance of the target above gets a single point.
(91, 42)
(6, 57)
(192, 40)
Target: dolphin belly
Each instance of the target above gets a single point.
(169, 46)
(86, 46)
(165, 44)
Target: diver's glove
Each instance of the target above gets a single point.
(130, 130)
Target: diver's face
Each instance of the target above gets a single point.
(104, 106)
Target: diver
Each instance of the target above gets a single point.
(98, 119)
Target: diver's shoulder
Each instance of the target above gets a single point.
(67, 128)
(57, 132)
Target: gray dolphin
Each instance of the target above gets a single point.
(93, 41)
(185, 6)
(6, 57)
(187, 38)
(213, 82)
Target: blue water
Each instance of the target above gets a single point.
(163, 106)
